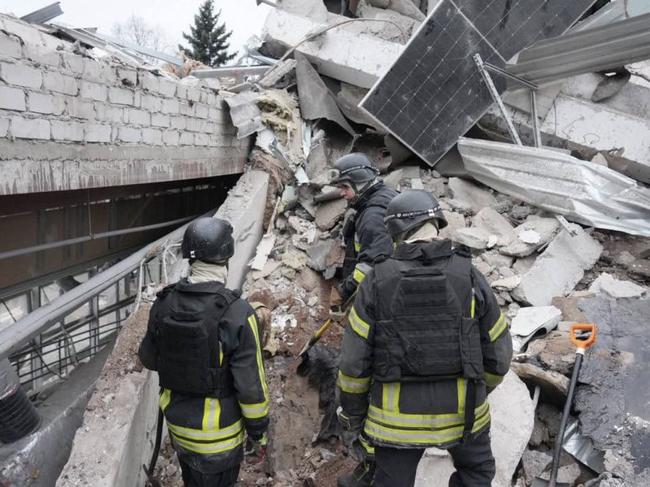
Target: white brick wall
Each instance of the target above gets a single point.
(12, 99)
(30, 128)
(50, 93)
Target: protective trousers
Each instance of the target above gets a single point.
(474, 463)
(196, 478)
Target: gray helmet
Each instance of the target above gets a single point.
(411, 209)
(208, 239)
(355, 169)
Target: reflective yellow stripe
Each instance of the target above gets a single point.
(472, 311)
(492, 380)
(370, 450)
(260, 409)
(427, 421)
(211, 414)
(358, 325)
(498, 328)
(421, 436)
(357, 246)
(353, 385)
(211, 448)
(165, 398)
(255, 411)
(358, 276)
(204, 435)
(390, 396)
(460, 387)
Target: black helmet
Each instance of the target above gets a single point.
(355, 169)
(208, 239)
(411, 209)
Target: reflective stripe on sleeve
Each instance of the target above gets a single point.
(358, 325)
(498, 328)
(353, 385)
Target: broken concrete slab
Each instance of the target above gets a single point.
(495, 259)
(493, 223)
(311, 9)
(559, 268)
(470, 195)
(474, 237)
(330, 52)
(348, 98)
(513, 415)
(319, 254)
(609, 285)
(583, 192)
(455, 221)
(396, 27)
(533, 234)
(534, 462)
(328, 214)
(553, 385)
(532, 319)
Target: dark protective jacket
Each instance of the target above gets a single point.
(366, 236)
(393, 372)
(212, 425)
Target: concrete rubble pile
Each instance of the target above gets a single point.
(547, 274)
(544, 271)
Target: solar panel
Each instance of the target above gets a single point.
(434, 93)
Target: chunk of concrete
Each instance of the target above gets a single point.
(608, 284)
(455, 221)
(532, 319)
(555, 351)
(495, 259)
(559, 268)
(328, 214)
(331, 52)
(553, 385)
(513, 415)
(533, 234)
(534, 463)
(397, 28)
(470, 195)
(493, 223)
(311, 9)
(474, 238)
(506, 284)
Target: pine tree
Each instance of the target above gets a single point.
(208, 39)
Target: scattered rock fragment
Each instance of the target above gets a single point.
(609, 285)
(559, 268)
(468, 195)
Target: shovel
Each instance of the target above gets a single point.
(583, 336)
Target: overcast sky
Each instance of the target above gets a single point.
(173, 17)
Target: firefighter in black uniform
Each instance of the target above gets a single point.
(204, 341)
(426, 343)
(365, 234)
(366, 239)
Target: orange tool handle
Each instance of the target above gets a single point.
(580, 342)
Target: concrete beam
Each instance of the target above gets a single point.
(340, 53)
(30, 167)
(119, 426)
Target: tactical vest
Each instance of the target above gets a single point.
(424, 331)
(189, 347)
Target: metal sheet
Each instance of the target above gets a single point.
(583, 192)
(434, 93)
(44, 14)
(316, 100)
(607, 47)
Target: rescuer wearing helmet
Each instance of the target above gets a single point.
(365, 234)
(366, 239)
(203, 340)
(426, 343)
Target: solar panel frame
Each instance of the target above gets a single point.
(434, 93)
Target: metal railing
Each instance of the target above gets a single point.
(49, 341)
